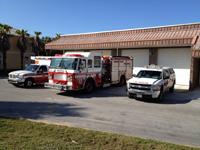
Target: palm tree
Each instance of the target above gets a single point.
(37, 43)
(57, 35)
(4, 42)
(22, 43)
(45, 40)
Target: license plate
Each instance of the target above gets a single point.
(139, 96)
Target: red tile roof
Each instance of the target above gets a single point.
(169, 36)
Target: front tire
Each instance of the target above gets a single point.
(159, 99)
(89, 86)
(28, 83)
(130, 95)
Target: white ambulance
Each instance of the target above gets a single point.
(36, 73)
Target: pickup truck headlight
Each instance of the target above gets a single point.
(128, 85)
(20, 76)
(155, 87)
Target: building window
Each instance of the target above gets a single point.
(97, 61)
(90, 63)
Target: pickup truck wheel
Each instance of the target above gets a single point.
(130, 95)
(171, 90)
(28, 83)
(89, 86)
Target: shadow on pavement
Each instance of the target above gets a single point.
(37, 110)
(3, 77)
(178, 97)
(113, 91)
(181, 97)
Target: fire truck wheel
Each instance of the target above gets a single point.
(89, 86)
(28, 83)
(122, 81)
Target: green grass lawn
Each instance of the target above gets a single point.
(22, 134)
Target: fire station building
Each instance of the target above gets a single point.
(176, 46)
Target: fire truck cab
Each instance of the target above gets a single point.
(87, 70)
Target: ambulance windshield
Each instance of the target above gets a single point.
(64, 63)
(32, 68)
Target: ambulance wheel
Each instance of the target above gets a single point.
(28, 83)
(122, 81)
(89, 86)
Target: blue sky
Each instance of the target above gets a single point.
(79, 16)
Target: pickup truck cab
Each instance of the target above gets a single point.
(33, 74)
(151, 82)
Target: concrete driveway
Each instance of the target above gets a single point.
(176, 119)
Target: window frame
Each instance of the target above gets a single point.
(97, 59)
(91, 65)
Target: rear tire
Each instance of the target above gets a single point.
(122, 81)
(28, 83)
(171, 90)
(89, 86)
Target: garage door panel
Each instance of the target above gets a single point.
(180, 60)
(140, 56)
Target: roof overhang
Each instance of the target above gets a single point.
(172, 36)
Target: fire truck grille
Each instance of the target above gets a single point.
(140, 86)
(60, 77)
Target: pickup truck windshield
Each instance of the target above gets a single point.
(32, 68)
(149, 74)
(64, 63)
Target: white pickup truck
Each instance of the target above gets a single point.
(151, 82)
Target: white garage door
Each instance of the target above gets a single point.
(180, 60)
(140, 56)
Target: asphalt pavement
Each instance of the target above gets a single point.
(176, 119)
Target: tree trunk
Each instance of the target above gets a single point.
(22, 60)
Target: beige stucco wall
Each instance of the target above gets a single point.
(13, 59)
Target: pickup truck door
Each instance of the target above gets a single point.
(41, 75)
(166, 78)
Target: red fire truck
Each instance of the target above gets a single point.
(87, 70)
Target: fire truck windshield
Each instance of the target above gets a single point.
(64, 63)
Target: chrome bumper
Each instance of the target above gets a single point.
(144, 93)
(16, 81)
(57, 86)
